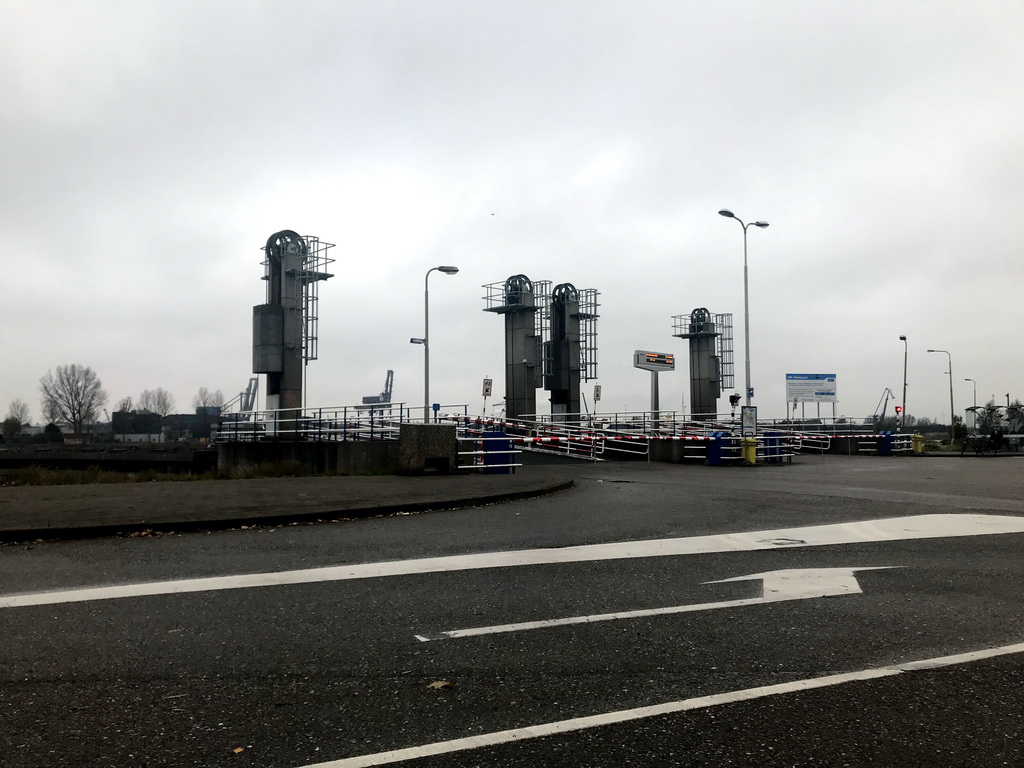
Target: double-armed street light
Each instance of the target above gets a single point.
(952, 431)
(426, 336)
(746, 303)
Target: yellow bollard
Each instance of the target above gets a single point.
(917, 443)
(748, 450)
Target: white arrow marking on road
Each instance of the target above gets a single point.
(801, 583)
(888, 529)
(792, 584)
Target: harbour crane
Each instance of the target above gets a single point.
(883, 403)
(385, 396)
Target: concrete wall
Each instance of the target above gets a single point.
(421, 448)
(427, 448)
(351, 457)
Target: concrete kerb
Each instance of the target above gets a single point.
(277, 518)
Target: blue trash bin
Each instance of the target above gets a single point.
(497, 450)
(772, 442)
(885, 443)
(716, 447)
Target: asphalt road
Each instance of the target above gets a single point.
(320, 668)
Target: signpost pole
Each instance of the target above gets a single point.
(655, 400)
(654, 362)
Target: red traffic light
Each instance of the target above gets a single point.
(899, 409)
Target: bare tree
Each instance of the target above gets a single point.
(157, 400)
(205, 398)
(51, 413)
(18, 409)
(124, 405)
(73, 395)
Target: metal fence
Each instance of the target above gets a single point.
(340, 423)
(592, 436)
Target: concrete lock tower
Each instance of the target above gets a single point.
(285, 329)
(711, 363)
(562, 352)
(570, 353)
(516, 300)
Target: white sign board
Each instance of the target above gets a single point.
(811, 387)
(748, 421)
(487, 387)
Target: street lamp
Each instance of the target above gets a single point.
(426, 336)
(903, 413)
(746, 303)
(975, 391)
(974, 414)
(952, 433)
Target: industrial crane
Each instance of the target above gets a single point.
(385, 396)
(883, 403)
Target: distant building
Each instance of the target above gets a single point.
(133, 427)
(191, 426)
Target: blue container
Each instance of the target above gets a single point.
(772, 442)
(885, 444)
(497, 450)
(717, 447)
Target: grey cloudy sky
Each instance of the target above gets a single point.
(150, 148)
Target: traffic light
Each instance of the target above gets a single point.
(899, 409)
(734, 399)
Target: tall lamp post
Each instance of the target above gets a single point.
(746, 303)
(975, 391)
(952, 432)
(426, 336)
(974, 414)
(903, 413)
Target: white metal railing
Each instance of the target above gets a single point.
(481, 447)
(598, 438)
(336, 423)
(592, 436)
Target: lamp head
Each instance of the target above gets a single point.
(727, 213)
(448, 270)
(903, 338)
(761, 224)
(931, 350)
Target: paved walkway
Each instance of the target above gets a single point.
(64, 511)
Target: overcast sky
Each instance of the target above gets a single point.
(149, 149)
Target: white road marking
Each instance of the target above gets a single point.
(626, 715)
(889, 529)
(789, 584)
(801, 583)
(593, 618)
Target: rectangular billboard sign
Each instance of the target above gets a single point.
(654, 361)
(811, 387)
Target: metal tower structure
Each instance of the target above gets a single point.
(286, 327)
(550, 341)
(711, 363)
(570, 352)
(516, 299)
